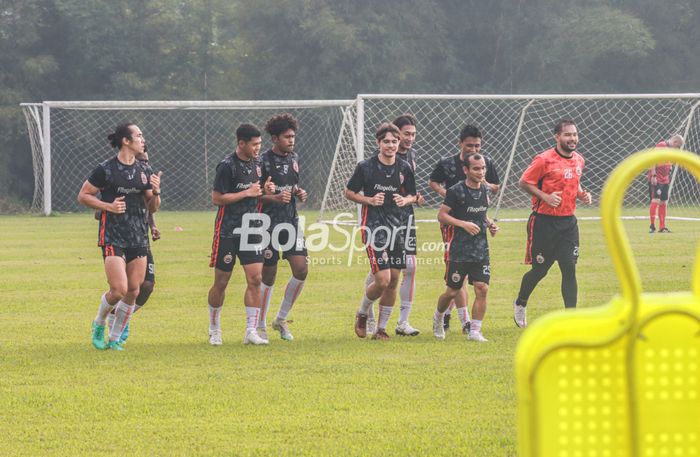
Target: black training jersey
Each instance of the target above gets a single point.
(450, 171)
(284, 171)
(115, 179)
(234, 175)
(467, 204)
(372, 177)
(410, 158)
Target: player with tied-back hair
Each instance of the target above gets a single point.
(281, 163)
(387, 185)
(127, 189)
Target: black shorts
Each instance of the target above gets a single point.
(150, 267)
(225, 250)
(456, 272)
(272, 255)
(551, 238)
(389, 257)
(658, 191)
(128, 254)
(411, 241)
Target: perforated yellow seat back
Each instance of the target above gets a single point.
(622, 379)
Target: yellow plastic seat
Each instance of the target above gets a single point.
(622, 379)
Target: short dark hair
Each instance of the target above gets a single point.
(280, 123)
(387, 127)
(404, 120)
(246, 132)
(467, 160)
(559, 126)
(469, 131)
(121, 131)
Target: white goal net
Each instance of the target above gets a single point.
(516, 128)
(186, 140)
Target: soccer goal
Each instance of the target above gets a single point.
(517, 127)
(186, 140)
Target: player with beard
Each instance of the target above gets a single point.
(448, 172)
(464, 214)
(381, 179)
(237, 186)
(553, 181)
(127, 189)
(281, 163)
(407, 128)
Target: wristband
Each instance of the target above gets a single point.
(156, 193)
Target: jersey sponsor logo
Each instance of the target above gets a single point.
(284, 188)
(456, 277)
(477, 209)
(128, 190)
(228, 258)
(243, 185)
(539, 258)
(144, 180)
(385, 188)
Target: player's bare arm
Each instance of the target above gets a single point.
(220, 199)
(437, 187)
(584, 196)
(402, 201)
(553, 199)
(88, 197)
(153, 194)
(445, 218)
(493, 228)
(377, 200)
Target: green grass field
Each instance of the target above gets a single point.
(326, 393)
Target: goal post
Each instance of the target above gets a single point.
(517, 127)
(186, 140)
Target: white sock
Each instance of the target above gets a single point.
(438, 315)
(291, 292)
(103, 311)
(476, 326)
(122, 314)
(252, 316)
(138, 307)
(266, 296)
(463, 314)
(366, 305)
(407, 288)
(384, 315)
(369, 280)
(214, 318)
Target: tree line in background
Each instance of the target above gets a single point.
(310, 49)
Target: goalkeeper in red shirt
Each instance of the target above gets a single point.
(659, 177)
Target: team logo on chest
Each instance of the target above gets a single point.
(258, 170)
(578, 171)
(295, 166)
(144, 179)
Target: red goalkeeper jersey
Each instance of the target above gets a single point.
(663, 170)
(551, 172)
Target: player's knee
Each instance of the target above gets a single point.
(300, 272)
(118, 291)
(393, 282)
(269, 276)
(382, 280)
(481, 289)
(254, 280)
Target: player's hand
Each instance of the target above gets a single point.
(155, 181)
(285, 196)
(377, 200)
(301, 193)
(553, 199)
(269, 186)
(155, 233)
(254, 190)
(471, 228)
(586, 197)
(493, 229)
(400, 200)
(118, 206)
(653, 180)
(420, 200)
